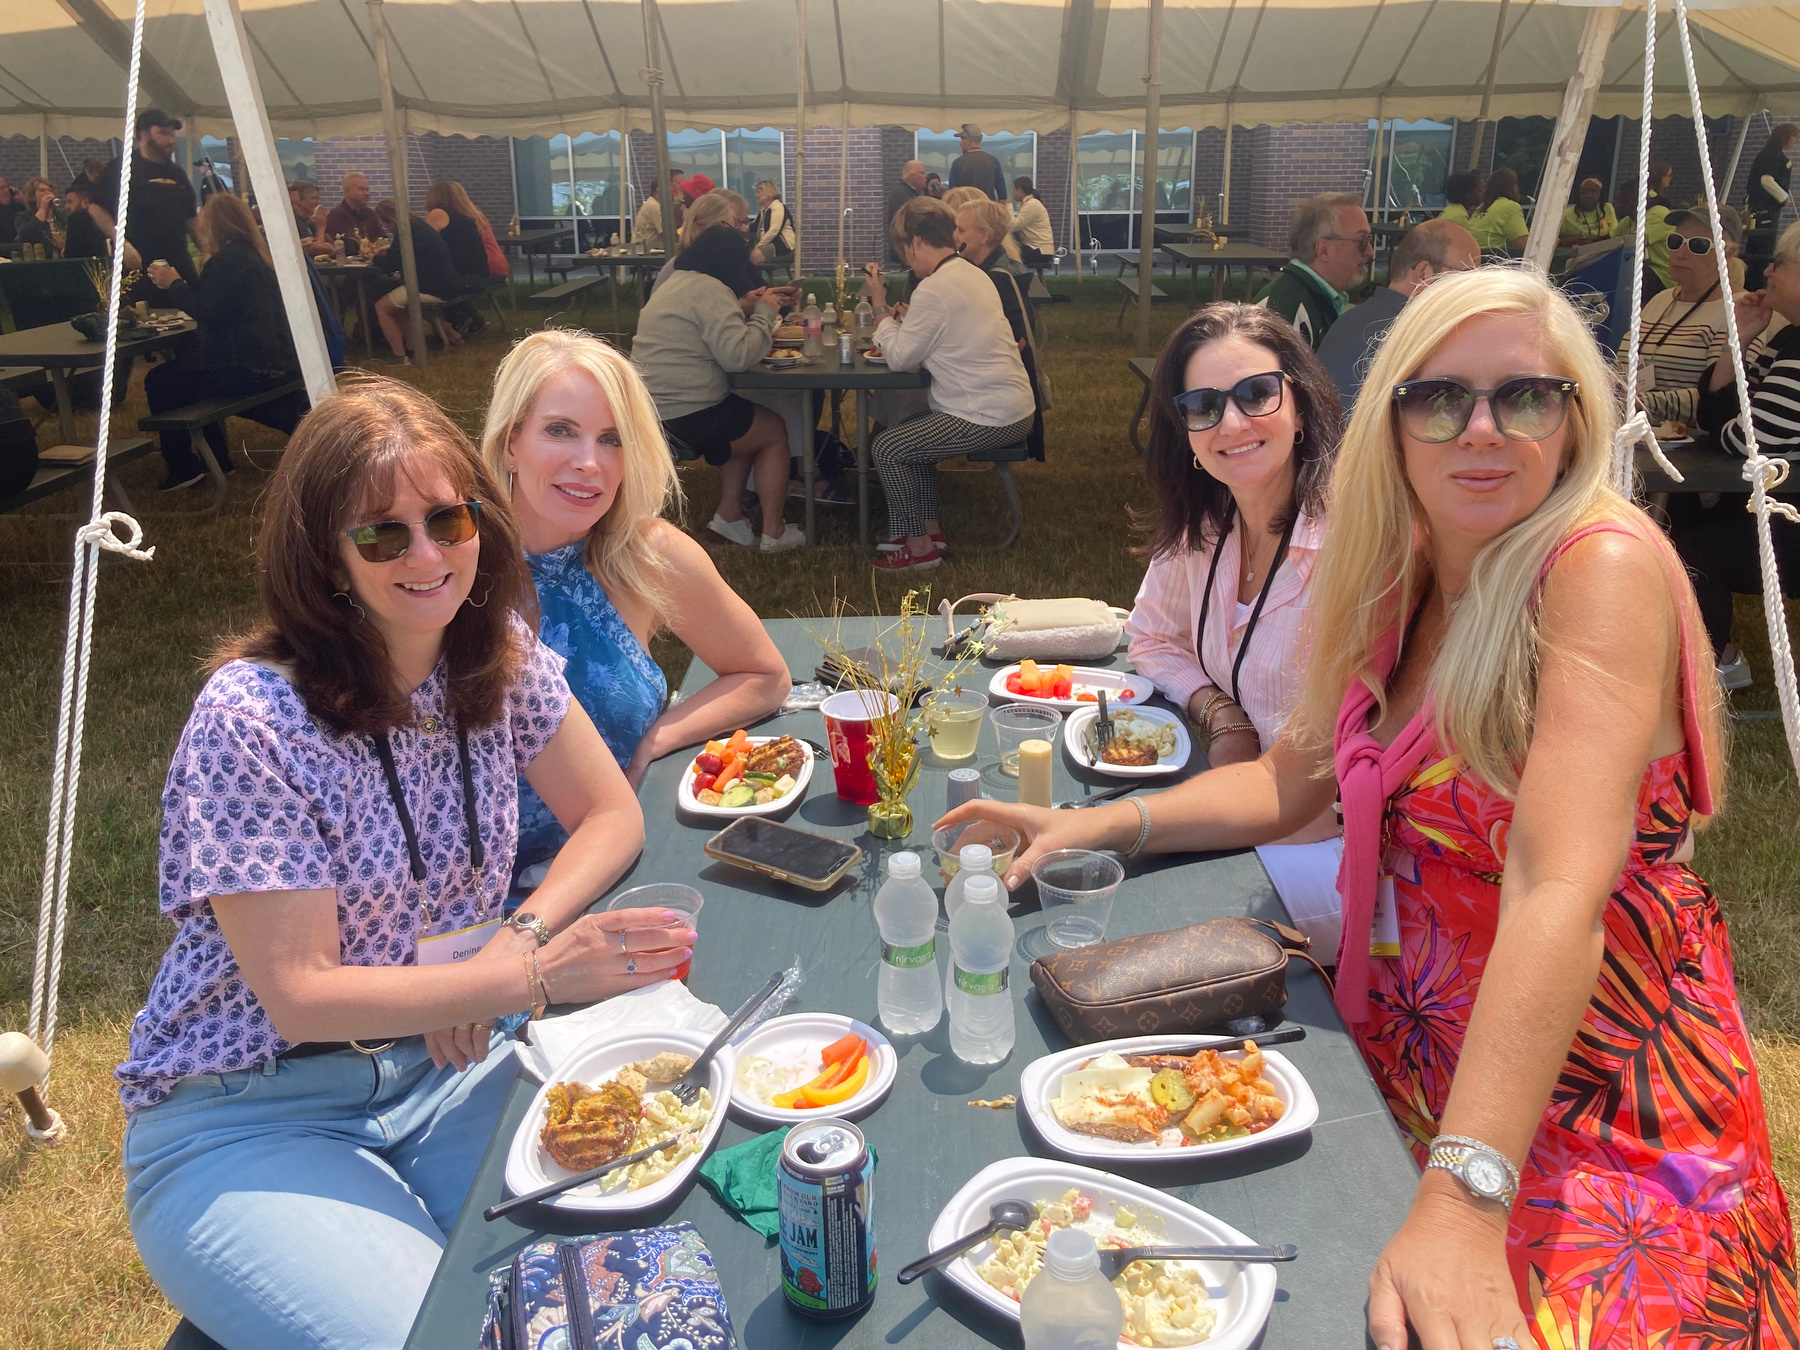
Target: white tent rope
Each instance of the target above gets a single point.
(94, 538)
(1763, 473)
(1636, 427)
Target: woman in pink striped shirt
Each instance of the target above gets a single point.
(1244, 429)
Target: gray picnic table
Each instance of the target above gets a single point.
(1339, 1192)
(1250, 257)
(59, 349)
(794, 388)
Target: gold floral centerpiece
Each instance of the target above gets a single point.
(898, 662)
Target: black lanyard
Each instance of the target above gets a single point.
(477, 854)
(1212, 573)
(1648, 341)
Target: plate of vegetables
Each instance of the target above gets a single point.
(809, 1065)
(746, 776)
(1068, 687)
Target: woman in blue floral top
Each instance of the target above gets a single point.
(313, 1077)
(574, 434)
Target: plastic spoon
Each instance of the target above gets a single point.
(1003, 1214)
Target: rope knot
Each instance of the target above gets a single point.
(1773, 473)
(99, 532)
(651, 75)
(1635, 431)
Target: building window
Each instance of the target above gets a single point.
(1416, 160)
(750, 158)
(297, 163)
(695, 152)
(216, 150)
(938, 150)
(1175, 170)
(1104, 177)
(598, 171)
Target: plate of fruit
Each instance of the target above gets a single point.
(746, 775)
(1068, 687)
(808, 1065)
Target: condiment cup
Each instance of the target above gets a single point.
(1002, 840)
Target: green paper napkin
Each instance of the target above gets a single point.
(743, 1178)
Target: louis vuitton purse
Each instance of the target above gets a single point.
(1196, 978)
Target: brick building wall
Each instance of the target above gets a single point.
(19, 158)
(1209, 170)
(1052, 182)
(1292, 163)
(864, 191)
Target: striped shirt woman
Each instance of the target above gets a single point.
(1681, 340)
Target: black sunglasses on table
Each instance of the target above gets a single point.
(1255, 396)
(1527, 408)
(388, 540)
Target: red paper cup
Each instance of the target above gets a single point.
(847, 719)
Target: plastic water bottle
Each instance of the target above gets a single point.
(981, 1008)
(1069, 1304)
(865, 324)
(972, 860)
(828, 319)
(815, 328)
(907, 996)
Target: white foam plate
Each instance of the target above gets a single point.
(1241, 1295)
(1086, 679)
(529, 1165)
(875, 360)
(1075, 729)
(1041, 1083)
(687, 801)
(795, 1037)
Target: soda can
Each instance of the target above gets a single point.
(825, 1182)
(965, 786)
(846, 349)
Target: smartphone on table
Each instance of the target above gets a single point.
(814, 861)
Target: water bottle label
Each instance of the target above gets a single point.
(993, 982)
(909, 958)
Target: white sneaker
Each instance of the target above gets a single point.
(1734, 674)
(791, 538)
(738, 531)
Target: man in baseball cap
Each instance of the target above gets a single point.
(975, 167)
(163, 216)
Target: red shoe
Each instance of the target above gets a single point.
(899, 545)
(905, 560)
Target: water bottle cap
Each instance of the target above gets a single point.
(980, 888)
(905, 866)
(1071, 1254)
(976, 858)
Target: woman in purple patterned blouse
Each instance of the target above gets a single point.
(313, 1078)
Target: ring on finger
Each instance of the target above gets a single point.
(1505, 1343)
(622, 946)
(631, 969)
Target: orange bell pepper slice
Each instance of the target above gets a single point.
(844, 1047)
(843, 1091)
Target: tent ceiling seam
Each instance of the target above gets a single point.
(538, 59)
(30, 94)
(1412, 42)
(395, 44)
(1249, 45)
(1355, 56)
(1212, 71)
(837, 22)
(606, 60)
(668, 53)
(943, 84)
(356, 28)
(104, 30)
(263, 52)
(1699, 35)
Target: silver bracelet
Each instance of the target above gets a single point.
(1143, 828)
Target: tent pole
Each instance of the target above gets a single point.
(799, 135)
(1075, 192)
(1737, 153)
(1487, 93)
(659, 125)
(1152, 144)
(396, 148)
(1225, 173)
(1571, 131)
(43, 145)
(843, 177)
(243, 91)
(1380, 130)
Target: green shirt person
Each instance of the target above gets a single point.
(1330, 246)
(1589, 217)
(1500, 224)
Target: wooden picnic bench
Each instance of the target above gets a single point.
(195, 418)
(558, 297)
(52, 478)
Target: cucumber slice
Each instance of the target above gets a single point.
(738, 794)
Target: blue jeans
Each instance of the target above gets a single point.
(304, 1204)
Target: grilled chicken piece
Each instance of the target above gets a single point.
(588, 1127)
(785, 755)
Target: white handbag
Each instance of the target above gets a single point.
(1070, 629)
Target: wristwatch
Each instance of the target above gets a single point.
(529, 923)
(1488, 1173)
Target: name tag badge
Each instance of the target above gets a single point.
(1384, 930)
(446, 949)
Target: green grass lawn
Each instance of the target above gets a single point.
(68, 1270)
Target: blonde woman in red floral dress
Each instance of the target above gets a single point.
(1509, 678)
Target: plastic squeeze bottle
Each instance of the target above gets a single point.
(981, 1008)
(815, 327)
(1069, 1304)
(908, 998)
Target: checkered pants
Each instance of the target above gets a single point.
(906, 456)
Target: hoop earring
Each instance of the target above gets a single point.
(477, 604)
(361, 614)
(1300, 435)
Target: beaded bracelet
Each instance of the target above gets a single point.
(1143, 828)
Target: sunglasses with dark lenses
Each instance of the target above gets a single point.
(1698, 245)
(1528, 408)
(387, 540)
(1255, 396)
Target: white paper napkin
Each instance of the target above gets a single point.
(667, 1004)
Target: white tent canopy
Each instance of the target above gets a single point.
(546, 67)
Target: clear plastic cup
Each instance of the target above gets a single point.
(1016, 723)
(1000, 840)
(953, 722)
(671, 895)
(1076, 889)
